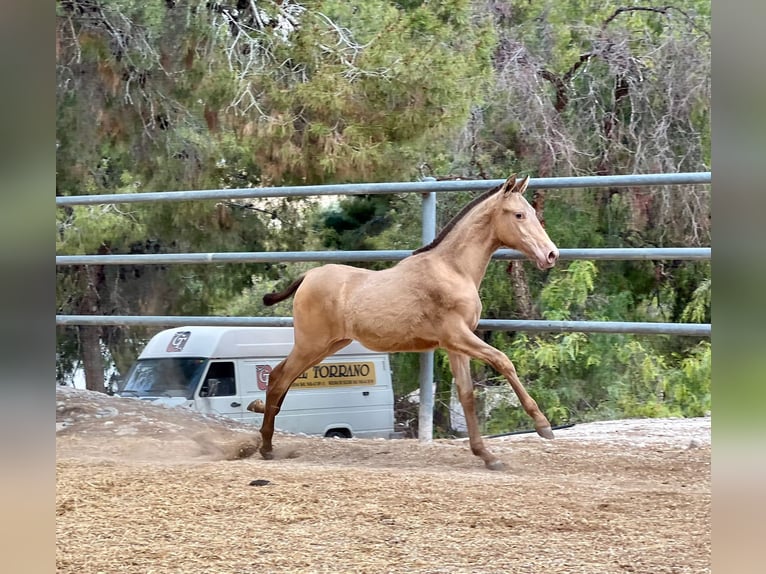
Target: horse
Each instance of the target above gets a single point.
(428, 300)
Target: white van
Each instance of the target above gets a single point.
(221, 370)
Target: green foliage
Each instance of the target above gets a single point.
(405, 368)
(690, 386)
(403, 230)
(576, 377)
(84, 229)
(698, 308)
(355, 220)
(495, 292)
(567, 291)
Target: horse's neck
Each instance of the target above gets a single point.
(469, 246)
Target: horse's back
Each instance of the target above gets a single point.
(325, 289)
(334, 277)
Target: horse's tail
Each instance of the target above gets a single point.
(277, 296)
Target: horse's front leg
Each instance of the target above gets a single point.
(466, 342)
(461, 370)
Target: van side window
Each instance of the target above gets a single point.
(219, 381)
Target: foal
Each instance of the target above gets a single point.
(428, 300)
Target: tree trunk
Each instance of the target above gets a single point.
(522, 300)
(93, 362)
(90, 335)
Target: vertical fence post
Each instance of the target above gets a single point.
(426, 410)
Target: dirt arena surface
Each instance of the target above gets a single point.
(145, 489)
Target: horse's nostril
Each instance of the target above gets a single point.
(552, 256)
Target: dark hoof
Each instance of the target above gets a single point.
(267, 454)
(496, 464)
(545, 432)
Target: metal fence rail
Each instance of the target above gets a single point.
(617, 254)
(637, 180)
(645, 328)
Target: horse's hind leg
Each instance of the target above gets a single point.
(461, 370)
(280, 380)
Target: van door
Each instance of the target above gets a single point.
(219, 391)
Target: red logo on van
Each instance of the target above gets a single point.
(262, 373)
(178, 342)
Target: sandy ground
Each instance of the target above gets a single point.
(146, 489)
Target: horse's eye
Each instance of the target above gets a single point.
(519, 216)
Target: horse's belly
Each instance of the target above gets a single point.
(393, 335)
(390, 345)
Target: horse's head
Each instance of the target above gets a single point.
(518, 227)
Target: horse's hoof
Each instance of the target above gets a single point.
(545, 432)
(267, 454)
(257, 406)
(496, 464)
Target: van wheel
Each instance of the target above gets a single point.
(337, 433)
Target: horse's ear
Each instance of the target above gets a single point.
(509, 185)
(521, 186)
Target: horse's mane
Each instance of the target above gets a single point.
(447, 228)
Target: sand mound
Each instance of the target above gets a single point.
(99, 425)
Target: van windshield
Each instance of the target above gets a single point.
(176, 377)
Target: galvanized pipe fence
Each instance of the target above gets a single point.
(599, 254)
(427, 185)
(428, 188)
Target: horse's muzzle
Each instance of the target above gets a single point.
(549, 261)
